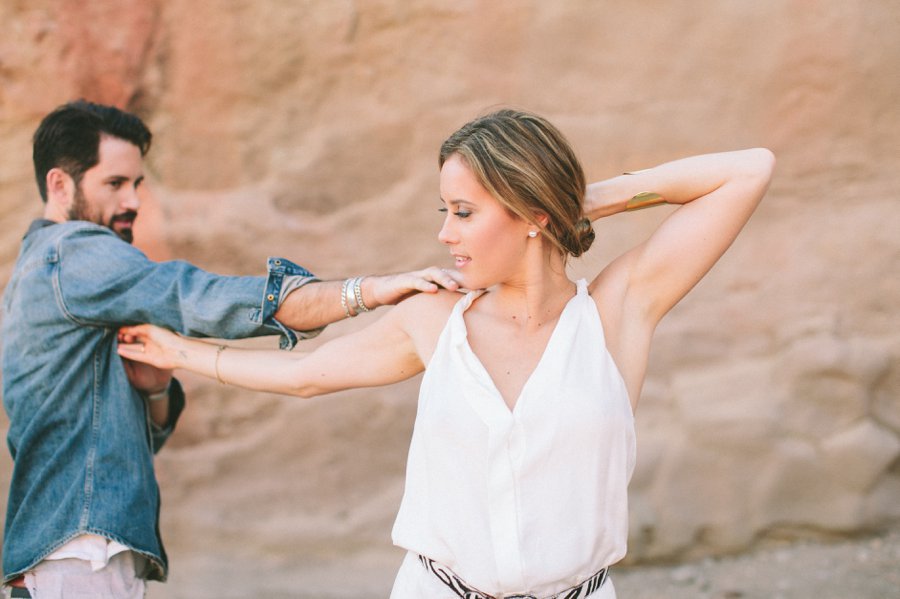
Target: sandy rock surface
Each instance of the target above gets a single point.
(310, 130)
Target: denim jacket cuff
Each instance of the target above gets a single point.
(278, 269)
(176, 406)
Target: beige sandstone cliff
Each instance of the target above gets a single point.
(310, 130)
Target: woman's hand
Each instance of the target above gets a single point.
(149, 344)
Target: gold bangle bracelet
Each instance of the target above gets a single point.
(645, 199)
(219, 351)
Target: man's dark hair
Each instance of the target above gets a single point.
(69, 138)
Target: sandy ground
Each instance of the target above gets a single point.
(860, 569)
(863, 568)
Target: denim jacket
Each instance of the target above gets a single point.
(80, 435)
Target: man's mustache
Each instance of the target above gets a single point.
(125, 217)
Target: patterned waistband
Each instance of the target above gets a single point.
(466, 591)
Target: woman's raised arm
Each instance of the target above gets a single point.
(380, 354)
(717, 194)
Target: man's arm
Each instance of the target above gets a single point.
(102, 281)
(163, 394)
(319, 303)
(154, 385)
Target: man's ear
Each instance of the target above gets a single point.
(60, 188)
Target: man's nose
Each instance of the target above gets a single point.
(131, 201)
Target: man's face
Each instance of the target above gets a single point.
(107, 193)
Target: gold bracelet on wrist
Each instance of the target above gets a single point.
(645, 199)
(219, 351)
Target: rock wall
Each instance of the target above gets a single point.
(310, 130)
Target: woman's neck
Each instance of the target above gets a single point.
(534, 297)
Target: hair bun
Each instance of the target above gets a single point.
(583, 237)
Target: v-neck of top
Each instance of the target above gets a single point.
(476, 364)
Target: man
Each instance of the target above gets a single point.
(84, 424)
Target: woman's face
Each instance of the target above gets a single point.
(486, 241)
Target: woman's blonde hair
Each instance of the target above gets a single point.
(530, 168)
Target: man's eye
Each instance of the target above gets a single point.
(115, 184)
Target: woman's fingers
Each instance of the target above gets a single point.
(130, 349)
(133, 333)
(136, 352)
(146, 344)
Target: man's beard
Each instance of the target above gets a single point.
(81, 211)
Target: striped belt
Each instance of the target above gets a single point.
(466, 591)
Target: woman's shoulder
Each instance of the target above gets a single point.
(423, 317)
(431, 306)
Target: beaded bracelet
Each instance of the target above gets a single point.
(357, 291)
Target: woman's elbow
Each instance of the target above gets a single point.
(752, 170)
(761, 163)
(304, 391)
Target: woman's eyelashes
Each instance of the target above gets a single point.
(459, 212)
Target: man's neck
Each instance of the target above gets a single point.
(55, 213)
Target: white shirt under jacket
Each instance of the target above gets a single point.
(530, 500)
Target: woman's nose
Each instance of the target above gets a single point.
(446, 235)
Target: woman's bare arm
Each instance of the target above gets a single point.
(380, 354)
(717, 194)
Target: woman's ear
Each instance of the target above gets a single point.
(542, 219)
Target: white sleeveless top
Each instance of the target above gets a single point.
(533, 499)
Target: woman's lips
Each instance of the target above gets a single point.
(461, 261)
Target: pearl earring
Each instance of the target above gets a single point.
(532, 234)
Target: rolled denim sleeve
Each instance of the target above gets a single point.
(284, 277)
(159, 434)
(102, 281)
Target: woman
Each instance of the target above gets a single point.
(524, 438)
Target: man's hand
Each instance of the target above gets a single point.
(150, 380)
(383, 290)
(319, 303)
(146, 378)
